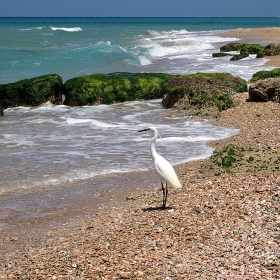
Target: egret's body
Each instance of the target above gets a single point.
(163, 168)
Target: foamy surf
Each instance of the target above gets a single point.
(50, 145)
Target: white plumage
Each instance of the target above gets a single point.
(163, 168)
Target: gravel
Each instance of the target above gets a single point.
(215, 227)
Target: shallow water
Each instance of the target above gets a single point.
(50, 145)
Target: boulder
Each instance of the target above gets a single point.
(231, 47)
(114, 87)
(1, 111)
(32, 92)
(202, 94)
(265, 90)
(270, 50)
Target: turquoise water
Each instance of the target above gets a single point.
(73, 47)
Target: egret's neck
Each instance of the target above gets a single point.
(153, 144)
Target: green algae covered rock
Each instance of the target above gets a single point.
(248, 49)
(114, 87)
(235, 83)
(261, 75)
(32, 92)
(231, 47)
(202, 95)
(244, 49)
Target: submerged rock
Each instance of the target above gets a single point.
(32, 92)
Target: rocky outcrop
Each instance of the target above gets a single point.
(270, 50)
(203, 96)
(231, 47)
(115, 87)
(264, 74)
(265, 90)
(247, 49)
(32, 92)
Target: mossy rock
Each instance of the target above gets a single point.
(248, 49)
(221, 54)
(233, 83)
(244, 49)
(261, 75)
(202, 95)
(231, 47)
(32, 92)
(1, 111)
(235, 159)
(114, 87)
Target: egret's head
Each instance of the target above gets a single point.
(151, 128)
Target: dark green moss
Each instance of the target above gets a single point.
(233, 159)
(114, 87)
(31, 92)
(265, 74)
(227, 161)
(222, 101)
(248, 49)
(221, 54)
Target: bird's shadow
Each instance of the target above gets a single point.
(156, 208)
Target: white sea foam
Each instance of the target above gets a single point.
(62, 144)
(68, 29)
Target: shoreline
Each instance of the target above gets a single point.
(263, 36)
(210, 228)
(215, 227)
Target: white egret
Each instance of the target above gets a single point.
(163, 168)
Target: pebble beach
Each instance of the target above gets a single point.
(224, 226)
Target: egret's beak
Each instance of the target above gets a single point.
(146, 129)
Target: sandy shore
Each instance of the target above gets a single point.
(223, 226)
(262, 36)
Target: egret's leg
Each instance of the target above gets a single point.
(163, 195)
(166, 192)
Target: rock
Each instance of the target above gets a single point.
(231, 47)
(202, 95)
(264, 74)
(115, 87)
(1, 111)
(248, 49)
(270, 50)
(221, 54)
(32, 92)
(265, 90)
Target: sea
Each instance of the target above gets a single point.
(53, 145)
